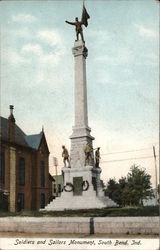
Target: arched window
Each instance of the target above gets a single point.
(21, 171)
(42, 174)
(42, 200)
(2, 168)
(20, 201)
(59, 188)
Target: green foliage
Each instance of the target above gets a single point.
(130, 190)
(139, 185)
(110, 212)
(113, 190)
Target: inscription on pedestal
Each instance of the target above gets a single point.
(77, 183)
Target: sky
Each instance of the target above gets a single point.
(37, 76)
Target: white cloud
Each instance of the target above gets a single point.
(16, 59)
(12, 57)
(119, 57)
(44, 58)
(50, 59)
(26, 18)
(43, 55)
(23, 32)
(145, 31)
(32, 48)
(51, 37)
(102, 34)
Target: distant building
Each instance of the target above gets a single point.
(57, 185)
(25, 182)
(150, 201)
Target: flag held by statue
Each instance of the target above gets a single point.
(85, 16)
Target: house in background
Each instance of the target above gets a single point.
(25, 182)
(150, 201)
(57, 185)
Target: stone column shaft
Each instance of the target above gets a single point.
(81, 131)
(80, 89)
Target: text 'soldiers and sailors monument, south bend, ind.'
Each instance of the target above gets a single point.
(82, 183)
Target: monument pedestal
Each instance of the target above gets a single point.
(86, 192)
(82, 184)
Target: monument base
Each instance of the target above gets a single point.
(82, 190)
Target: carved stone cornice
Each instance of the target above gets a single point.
(80, 49)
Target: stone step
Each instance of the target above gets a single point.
(86, 201)
(107, 200)
(80, 202)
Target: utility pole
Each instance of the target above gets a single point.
(156, 185)
(55, 163)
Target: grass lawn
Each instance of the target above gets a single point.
(112, 212)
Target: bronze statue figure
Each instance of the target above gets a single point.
(88, 154)
(78, 24)
(97, 157)
(65, 156)
(79, 29)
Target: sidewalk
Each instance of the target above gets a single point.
(51, 235)
(81, 225)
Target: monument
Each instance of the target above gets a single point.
(82, 184)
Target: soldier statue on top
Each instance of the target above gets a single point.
(79, 29)
(78, 24)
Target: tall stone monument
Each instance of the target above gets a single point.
(82, 185)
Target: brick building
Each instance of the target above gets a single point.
(25, 182)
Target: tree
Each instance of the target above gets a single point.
(113, 191)
(117, 191)
(139, 185)
(123, 189)
(130, 190)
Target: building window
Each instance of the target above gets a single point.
(42, 174)
(59, 188)
(21, 171)
(42, 200)
(2, 168)
(54, 188)
(20, 201)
